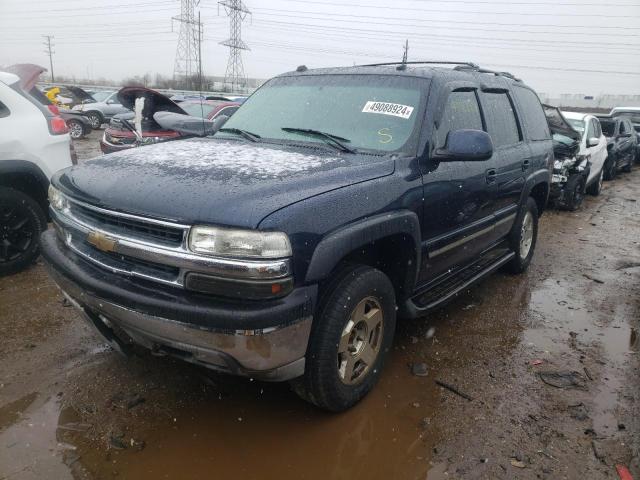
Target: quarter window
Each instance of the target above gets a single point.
(4, 111)
(533, 116)
(461, 112)
(501, 119)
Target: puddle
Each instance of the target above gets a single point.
(11, 412)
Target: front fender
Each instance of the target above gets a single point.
(539, 177)
(339, 243)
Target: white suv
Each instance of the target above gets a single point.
(34, 144)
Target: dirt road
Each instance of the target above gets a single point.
(549, 359)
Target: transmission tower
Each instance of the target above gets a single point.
(237, 11)
(188, 52)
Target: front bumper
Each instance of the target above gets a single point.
(263, 340)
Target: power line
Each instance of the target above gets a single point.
(472, 2)
(237, 11)
(49, 52)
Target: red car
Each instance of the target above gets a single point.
(121, 133)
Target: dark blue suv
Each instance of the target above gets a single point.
(284, 246)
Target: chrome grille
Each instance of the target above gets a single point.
(162, 234)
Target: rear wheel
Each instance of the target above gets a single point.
(96, 119)
(574, 193)
(349, 340)
(596, 187)
(76, 129)
(523, 237)
(21, 223)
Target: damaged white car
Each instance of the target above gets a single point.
(580, 151)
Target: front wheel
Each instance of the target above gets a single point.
(610, 169)
(522, 238)
(21, 223)
(95, 118)
(574, 193)
(629, 165)
(349, 339)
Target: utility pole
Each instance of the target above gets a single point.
(405, 55)
(188, 51)
(237, 11)
(49, 52)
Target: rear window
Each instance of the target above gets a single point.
(532, 114)
(501, 120)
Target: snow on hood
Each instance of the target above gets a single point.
(228, 159)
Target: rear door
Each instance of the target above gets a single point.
(459, 197)
(597, 154)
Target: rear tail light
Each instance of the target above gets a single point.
(57, 126)
(54, 109)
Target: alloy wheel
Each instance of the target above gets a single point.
(360, 341)
(75, 130)
(16, 232)
(526, 235)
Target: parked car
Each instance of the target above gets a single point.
(621, 144)
(121, 133)
(284, 246)
(101, 111)
(34, 144)
(77, 122)
(580, 151)
(633, 114)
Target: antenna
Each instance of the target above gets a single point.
(237, 11)
(49, 52)
(188, 51)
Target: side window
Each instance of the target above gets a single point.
(4, 111)
(501, 119)
(533, 116)
(228, 111)
(591, 129)
(623, 128)
(460, 112)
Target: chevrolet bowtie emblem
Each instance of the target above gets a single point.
(101, 241)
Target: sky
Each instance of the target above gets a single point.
(562, 46)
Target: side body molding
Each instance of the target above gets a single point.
(336, 245)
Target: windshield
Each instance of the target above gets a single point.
(202, 110)
(578, 125)
(371, 112)
(608, 127)
(101, 96)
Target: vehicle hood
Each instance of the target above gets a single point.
(27, 72)
(214, 181)
(559, 125)
(81, 94)
(154, 101)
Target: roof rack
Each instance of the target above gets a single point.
(476, 68)
(402, 65)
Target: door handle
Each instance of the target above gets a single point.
(525, 165)
(491, 176)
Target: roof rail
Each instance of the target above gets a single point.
(402, 65)
(486, 70)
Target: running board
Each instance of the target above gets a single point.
(446, 290)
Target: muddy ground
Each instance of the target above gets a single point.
(72, 408)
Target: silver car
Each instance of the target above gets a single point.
(104, 106)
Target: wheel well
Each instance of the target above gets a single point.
(393, 255)
(540, 194)
(27, 184)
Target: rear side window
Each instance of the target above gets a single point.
(4, 111)
(501, 119)
(532, 114)
(460, 112)
(623, 128)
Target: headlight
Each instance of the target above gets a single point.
(227, 242)
(56, 199)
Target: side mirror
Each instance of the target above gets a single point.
(466, 146)
(218, 122)
(593, 142)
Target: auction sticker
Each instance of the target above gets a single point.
(384, 108)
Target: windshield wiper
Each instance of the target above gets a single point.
(253, 137)
(329, 138)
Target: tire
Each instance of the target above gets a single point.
(337, 373)
(76, 129)
(574, 193)
(596, 187)
(526, 226)
(629, 165)
(22, 221)
(610, 169)
(96, 119)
